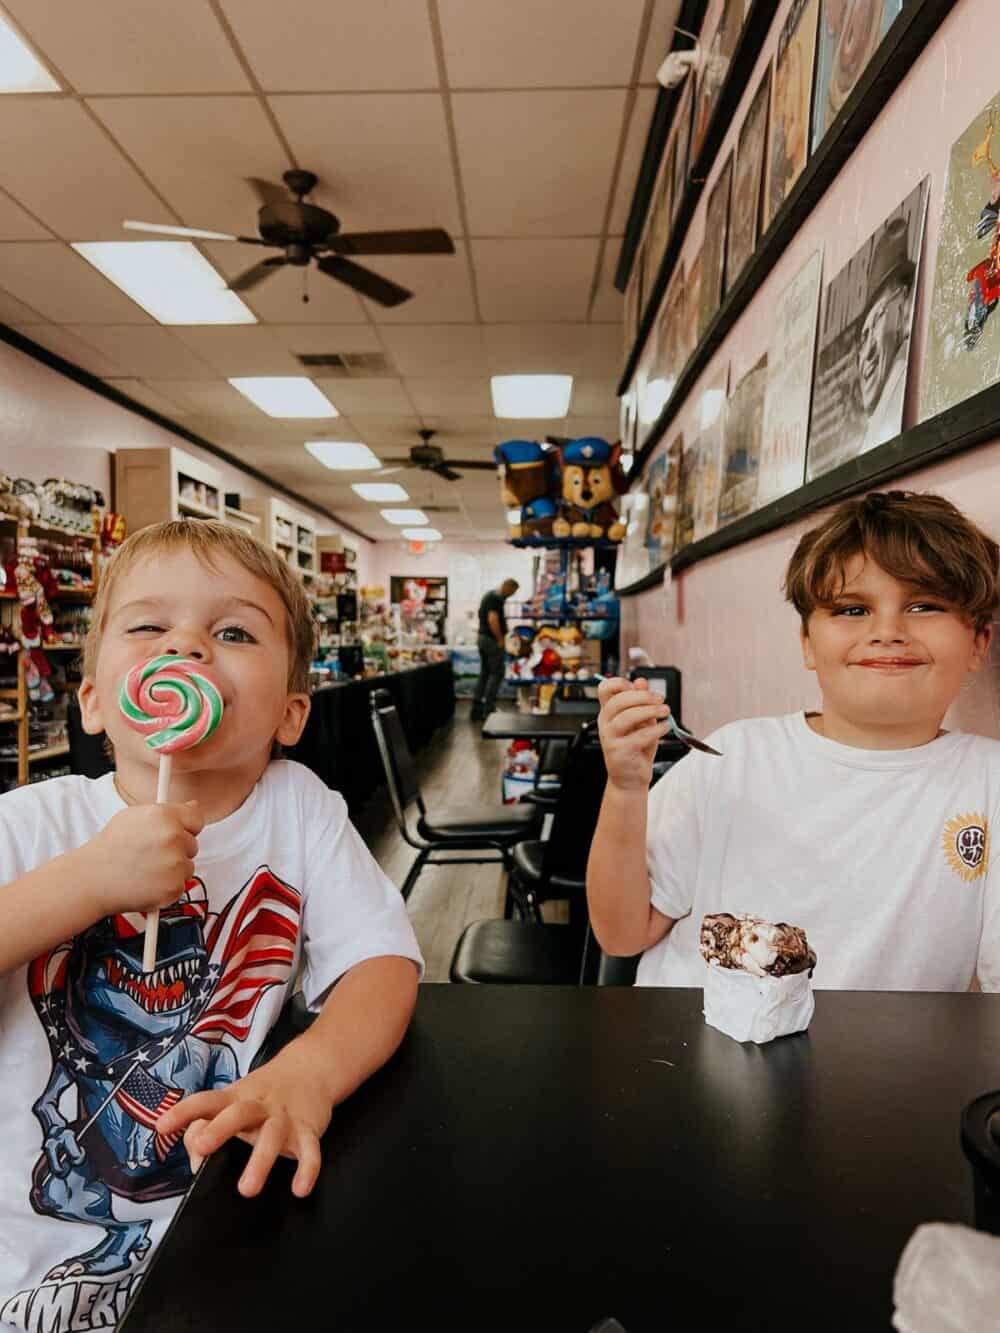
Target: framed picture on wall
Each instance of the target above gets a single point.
(662, 486)
(633, 558)
(713, 264)
(963, 339)
(788, 394)
(720, 33)
(682, 143)
(744, 226)
(791, 104)
(687, 492)
(659, 222)
(692, 307)
(864, 341)
(849, 35)
(744, 419)
(711, 447)
(671, 338)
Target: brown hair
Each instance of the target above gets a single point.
(916, 537)
(208, 540)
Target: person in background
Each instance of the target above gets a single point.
(492, 631)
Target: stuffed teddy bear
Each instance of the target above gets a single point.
(525, 471)
(591, 478)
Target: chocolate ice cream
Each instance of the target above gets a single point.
(749, 944)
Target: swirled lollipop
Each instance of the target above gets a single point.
(171, 702)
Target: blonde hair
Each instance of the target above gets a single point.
(915, 536)
(208, 539)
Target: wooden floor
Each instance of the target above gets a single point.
(457, 768)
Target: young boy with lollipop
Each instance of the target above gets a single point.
(865, 824)
(120, 1078)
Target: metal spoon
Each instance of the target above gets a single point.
(686, 738)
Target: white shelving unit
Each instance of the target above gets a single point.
(288, 531)
(153, 485)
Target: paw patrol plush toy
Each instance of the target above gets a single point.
(591, 478)
(525, 472)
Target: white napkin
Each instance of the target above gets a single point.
(749, 1008)
(948, 1281)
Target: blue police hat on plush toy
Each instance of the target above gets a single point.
(587, 451)
(542, 508)
(518, 453)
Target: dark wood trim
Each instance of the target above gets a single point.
(690, 19)
(967, 425)
(113, 395)
(903, 43)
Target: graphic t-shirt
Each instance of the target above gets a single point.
(491, 602)
(883, 857)
(94, 1051)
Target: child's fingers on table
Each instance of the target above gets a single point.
(271, 1139)
(309, 1155)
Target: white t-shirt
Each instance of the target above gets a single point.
(882, 856)
(92, 1055)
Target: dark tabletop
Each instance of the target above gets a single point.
(536, 1158)
(526, 726)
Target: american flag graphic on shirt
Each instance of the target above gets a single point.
(145, 1099)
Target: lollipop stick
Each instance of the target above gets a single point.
(153, 918)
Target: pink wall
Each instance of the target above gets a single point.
(724, 622)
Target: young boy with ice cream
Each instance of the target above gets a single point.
(866, 824)
(259, 876)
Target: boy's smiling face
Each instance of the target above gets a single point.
(227, 619)
(889, 656)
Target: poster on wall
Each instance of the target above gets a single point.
(659, 224)
(849, 35)
(744, 419)
(711, 447)
(671, 340)
(627, 419)
(687, 491)
(785, 427)
(713, 262)
(647, 388)
(682, 144)
(791, 103)
(864, 341)
(662, 485)
(692, 307)
(744, 227)
(633, 560)
(720, 32)
(963, 340)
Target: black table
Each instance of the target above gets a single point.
(529, 727)
(339, 742)
(537, 1158)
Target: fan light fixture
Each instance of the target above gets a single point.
(379, 490)
(285, 395)
(343, 455)
(20, 69)
(422, 534)
(403, 517)
(171, 280)
(535, 396)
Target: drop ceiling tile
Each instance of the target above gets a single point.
(451, 395)
(17, 225)
(150, 397)
(554, 349)
(215, 398)
(198, 152)
(660, 38)
(635, 144)
(594, 396)
(545, 279)
(312, 47)
(609, 303)
(96, 189)
(382, 158)
(71, 348)
(435, 349)
(16, 312)
(597, 423)
(379, 431)
(118, 46)
(150, 351)
(525, 44)
(524, 169)
(245, 350)
(367, 397)
(62, 286)
(442, 290)
(319, 339)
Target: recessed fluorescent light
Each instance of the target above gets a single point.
(171, 280)
(403, 517)
(285, 395)
(422, 534)
(531, 395)
(349, 456)
(20, 69)
(379, 490)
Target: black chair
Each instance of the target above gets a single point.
(468, 828)
(552, 754)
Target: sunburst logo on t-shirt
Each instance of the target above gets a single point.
(966, 841)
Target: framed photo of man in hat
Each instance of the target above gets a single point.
(864, 341)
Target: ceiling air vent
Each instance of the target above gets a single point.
(357, 365)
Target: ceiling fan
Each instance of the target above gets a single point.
(430, 458)
(305, 232)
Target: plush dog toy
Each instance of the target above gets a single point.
(525, 471)
(591, 478)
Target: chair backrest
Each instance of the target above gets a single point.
(587, 707)
(575, 816)
(400, 773)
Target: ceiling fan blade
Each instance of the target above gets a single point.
(268, 192)
(473, 464)
(420, 241)
(443, 470)
(161, 229)
(256, 273)
(363, 280)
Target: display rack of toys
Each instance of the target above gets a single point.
(421, 604)
(336, 608)
(54, 540)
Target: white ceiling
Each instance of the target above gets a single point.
(517, 126)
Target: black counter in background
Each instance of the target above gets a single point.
(339, 744)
